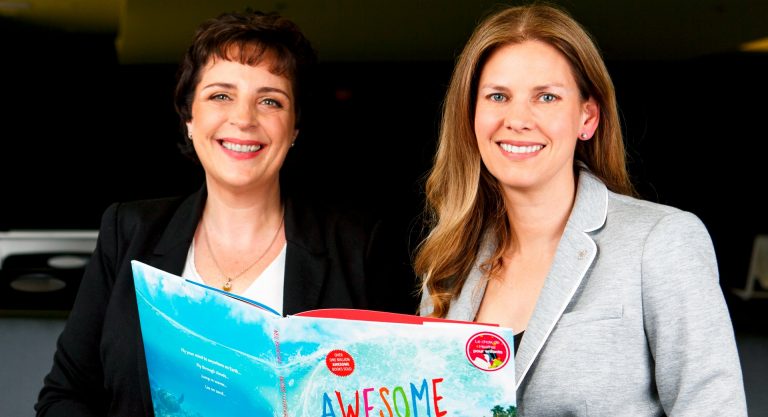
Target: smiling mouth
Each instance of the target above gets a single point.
(520, 149)
(236, 147)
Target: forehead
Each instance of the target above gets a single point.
(251, 54)
(261, 74)
(529, 62)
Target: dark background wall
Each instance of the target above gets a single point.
(73, 119)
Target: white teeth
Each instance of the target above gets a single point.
(240, 148)
(520, 149)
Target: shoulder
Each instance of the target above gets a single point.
(597, 208)
(647, 214)
(665, 232)
(136, 221)
(618, 217)
(149, 211)
(133, 229)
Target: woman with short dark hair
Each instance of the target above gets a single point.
(239, 94)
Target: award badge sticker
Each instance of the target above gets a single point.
(487, 351)
(340, 362)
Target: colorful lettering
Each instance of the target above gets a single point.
(382, 391)
(437, 398)
(328, 406)
(366, 407)
(399, 403)
(419, 394)
(349, 412)
(405, 400)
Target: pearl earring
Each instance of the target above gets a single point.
(583, 135)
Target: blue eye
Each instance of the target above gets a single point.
(548, 98)
(498, 97)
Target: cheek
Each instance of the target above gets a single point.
(485, 124)
(194, 110)
(198, 121)
(207, 116)
(281, 127)
(558, 124)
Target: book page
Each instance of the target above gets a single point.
(344, 367)
(207, 353)
(212, 354)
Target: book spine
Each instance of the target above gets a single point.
(278, 355)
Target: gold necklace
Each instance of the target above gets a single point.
(228, 284)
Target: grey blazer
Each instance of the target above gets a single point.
(631, 320)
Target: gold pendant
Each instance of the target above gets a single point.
(227, 285)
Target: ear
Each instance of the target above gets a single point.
(295, 133)
(590, 119)
(189, 130)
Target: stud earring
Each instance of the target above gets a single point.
(583, 135)
(189, 135)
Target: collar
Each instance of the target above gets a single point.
(575, 254)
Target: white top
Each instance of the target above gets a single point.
(267, 288)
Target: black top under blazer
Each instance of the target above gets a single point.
(332, 260)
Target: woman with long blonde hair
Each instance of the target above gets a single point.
(534, 224)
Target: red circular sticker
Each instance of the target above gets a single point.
(487, 351)
(340, 362)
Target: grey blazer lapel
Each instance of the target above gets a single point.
(575, 254)
(465, 307)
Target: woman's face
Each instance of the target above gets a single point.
(243, 123)
(529, 115)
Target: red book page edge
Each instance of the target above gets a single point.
(380, 316)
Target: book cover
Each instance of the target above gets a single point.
(210, 353)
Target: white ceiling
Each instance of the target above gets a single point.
(148, 31)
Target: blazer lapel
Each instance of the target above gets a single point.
(169, 254)
(466, 305)
(304, 276)
(171, 250)
(575, 254)
(306, 263)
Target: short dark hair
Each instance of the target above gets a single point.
(245, 37)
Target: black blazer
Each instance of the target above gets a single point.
(332, 260)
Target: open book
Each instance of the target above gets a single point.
(210, 353)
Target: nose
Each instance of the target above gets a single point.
(518, 116)
(244, 115)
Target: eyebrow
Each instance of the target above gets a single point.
(492, 87)
(265, 89)
(536, 88)
(548, 86)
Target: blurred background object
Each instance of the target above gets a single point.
(40, 270)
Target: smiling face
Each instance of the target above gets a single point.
(243, 123)
(528, 117)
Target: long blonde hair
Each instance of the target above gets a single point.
(464, 200)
